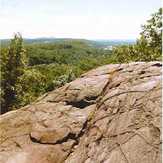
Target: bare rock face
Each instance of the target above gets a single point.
(111, 114)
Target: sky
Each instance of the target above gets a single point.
(89, 19)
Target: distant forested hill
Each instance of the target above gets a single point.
(94, 43)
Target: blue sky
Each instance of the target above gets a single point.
(90, 19)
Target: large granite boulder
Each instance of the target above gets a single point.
(111, 114)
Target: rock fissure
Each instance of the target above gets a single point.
(82, 103)
(65, 139)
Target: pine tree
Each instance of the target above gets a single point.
(13, 64)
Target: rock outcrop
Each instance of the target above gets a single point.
(111, 114)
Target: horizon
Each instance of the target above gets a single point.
(91, 20)
(100, 39)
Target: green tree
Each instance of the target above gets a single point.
(13, 61)
(29, 86)
(148, 47)
(152, 31)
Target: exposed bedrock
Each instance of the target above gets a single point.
(111, 114)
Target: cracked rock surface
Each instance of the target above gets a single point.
(111, 114)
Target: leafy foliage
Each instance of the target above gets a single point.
(148, 47)
(152, 31)
(29, 86)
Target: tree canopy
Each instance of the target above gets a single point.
(148, 47)
(13, 61)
